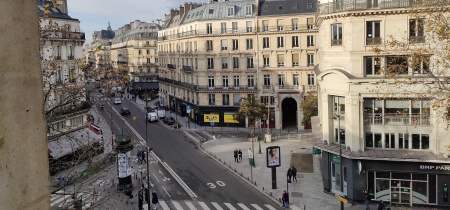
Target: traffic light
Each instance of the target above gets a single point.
(445, 193)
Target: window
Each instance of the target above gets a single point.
(373, 140)
(223, 28)
(266, 60)
(336, 34)
(403, 141)
(212, 99)
(265, 42)
(294, 7)
(281, 79)
(235, 44)
(310, 40)
(235, 62)
(249, 25)
(339, 135)
(280, 60)
(311, 79)
(236, 81)
(209, 45)
(295, 59)
(224, 63)
(250, 81)
(309, 6)
(230, 11)
(310, 59)
(249, 62)
(295, 24)
(373, 33)
(420, 141)
(295, 79)
(223, 44)
(265, 25)
(279, 25)
(280, 41)
(420, 65)
(225, 81)
(416, 31)
(234, 27)
(280, 7)
(372, 66)
(295, 41)
(266, 8)
(210, 63)
(266, 79)
(211, 81)
(209, 28)
(249, 44)
(389, 140)
(248, 10)
(211, 11)
(396, 65)
(309, 23)
(226, 99)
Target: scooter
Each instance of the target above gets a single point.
(102, 107)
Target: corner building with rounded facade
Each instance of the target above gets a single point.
(394, 146)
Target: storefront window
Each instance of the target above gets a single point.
(419, 192)
(383, 190)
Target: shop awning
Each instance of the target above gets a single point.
(72, 142)
(383, 154)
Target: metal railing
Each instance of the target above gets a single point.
(397, 119)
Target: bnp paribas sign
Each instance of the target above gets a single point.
(435, 167)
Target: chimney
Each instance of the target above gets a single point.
(173, 13)
(181, 11)
(62, 6)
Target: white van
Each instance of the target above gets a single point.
(152, 117)
(161, 113)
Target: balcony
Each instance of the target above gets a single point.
(358, 5)
(63, 35)
(296, 88)
(417, 39)
(70, 57)
(187, 69)
(397, 119)
(170, 66)
(373, 41)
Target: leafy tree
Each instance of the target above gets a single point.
(416, 64)
(310, 107)
(251, 109)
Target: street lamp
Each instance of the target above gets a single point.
(147, 163)
(175, 109)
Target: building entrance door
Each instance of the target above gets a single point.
(401, 192)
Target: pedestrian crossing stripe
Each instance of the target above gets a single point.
(63, 199)
(189, 205)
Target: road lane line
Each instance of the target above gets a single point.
(204, 206)
(60, 199)
(164, 205)
(216, 205)
(243, 206)
(231, 207)
(155, 177)
(256, 206)
(190, 205)
(179, 180)
(270, 207)
(177, 205)
(166, 191)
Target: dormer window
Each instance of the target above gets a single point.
(211, 11)
(280, 7)
(230, 11)
(294, 7)
(248, 10)
(266, 8)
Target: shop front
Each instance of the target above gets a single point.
(421, 180)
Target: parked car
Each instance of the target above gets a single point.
(125, 111)
(117, 101)
(152, 117)
(169, 120)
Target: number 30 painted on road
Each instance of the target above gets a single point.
(212, 185)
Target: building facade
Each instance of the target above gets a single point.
(213, 55)
(392, 144)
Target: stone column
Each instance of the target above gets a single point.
(24, 170)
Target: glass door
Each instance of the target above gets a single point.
(401, 192)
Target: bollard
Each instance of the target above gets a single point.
(263, 188)
(304, 207)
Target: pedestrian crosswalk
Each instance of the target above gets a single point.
(199, 205)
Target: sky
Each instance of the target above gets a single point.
(94, 15)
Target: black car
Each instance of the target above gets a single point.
(169, 120)
(125, 111)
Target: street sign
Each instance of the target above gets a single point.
(188, 108)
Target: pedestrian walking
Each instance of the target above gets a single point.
(154, 200)
(143, 157)
(140, 200)
(285, 199)
(235, 155)
(139, 155)
(294, 174)
(289, 175)
(381, 206)
(367, 200)
(240, 155)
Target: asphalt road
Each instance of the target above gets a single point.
(204, 176)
